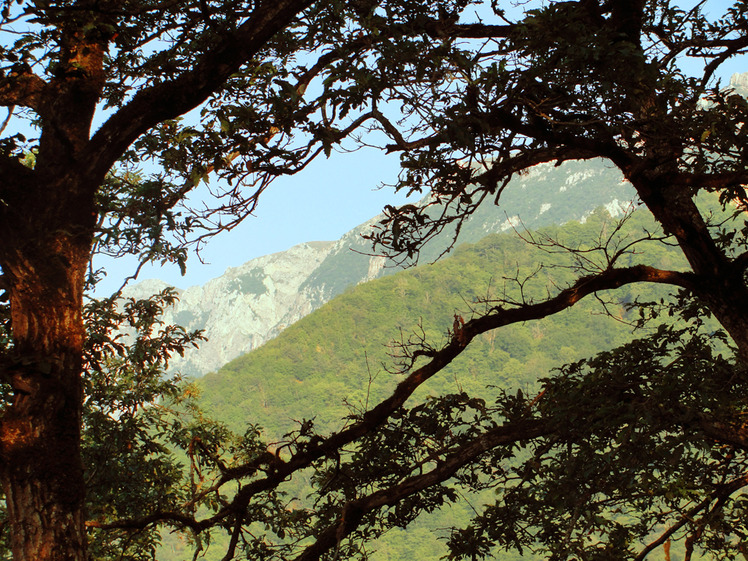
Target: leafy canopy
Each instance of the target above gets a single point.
(616, 456)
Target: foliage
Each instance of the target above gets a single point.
(217, 99)
(130, 420)
(334, 362)
(626, 462)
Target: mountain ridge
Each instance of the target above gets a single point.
(252, 303)
(242, 308)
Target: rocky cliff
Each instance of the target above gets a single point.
(739, 83)
(243, 308)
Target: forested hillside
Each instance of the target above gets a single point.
(546, 194)
(341, 358)
(252, 303)
(138, 131)
(341, 354)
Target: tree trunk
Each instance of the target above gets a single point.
(41, 468)
(721, 281)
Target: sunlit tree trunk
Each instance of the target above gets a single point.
(46, 228)
(41, 468)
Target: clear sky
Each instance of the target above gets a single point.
(323, 202)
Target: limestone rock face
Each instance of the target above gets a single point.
(739, 81)
(241, 309)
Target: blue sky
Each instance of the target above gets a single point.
(323, 202)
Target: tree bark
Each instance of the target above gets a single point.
(40, 460)
(41, 468)
(46, 227)
(720, 279)
(47, 221)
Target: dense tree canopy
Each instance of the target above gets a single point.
(130, 111)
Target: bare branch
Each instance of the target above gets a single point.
(11, 108)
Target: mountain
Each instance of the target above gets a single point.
(251, 304)
(544, 195)
(338, 358)
(242, 308)
(739, 84)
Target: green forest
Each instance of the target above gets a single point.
(339, 359)
(341, 355)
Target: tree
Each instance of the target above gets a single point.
(618, 446)
(469, 98)
(131, 69)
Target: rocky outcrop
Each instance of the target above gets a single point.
(243, 308)
(739, 82)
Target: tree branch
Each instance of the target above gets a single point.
(732, 433)
(354, 511)
(176, 518)
(277, 470)
(720, 493)
(14, 175)
(175, 97)
(469, 30)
